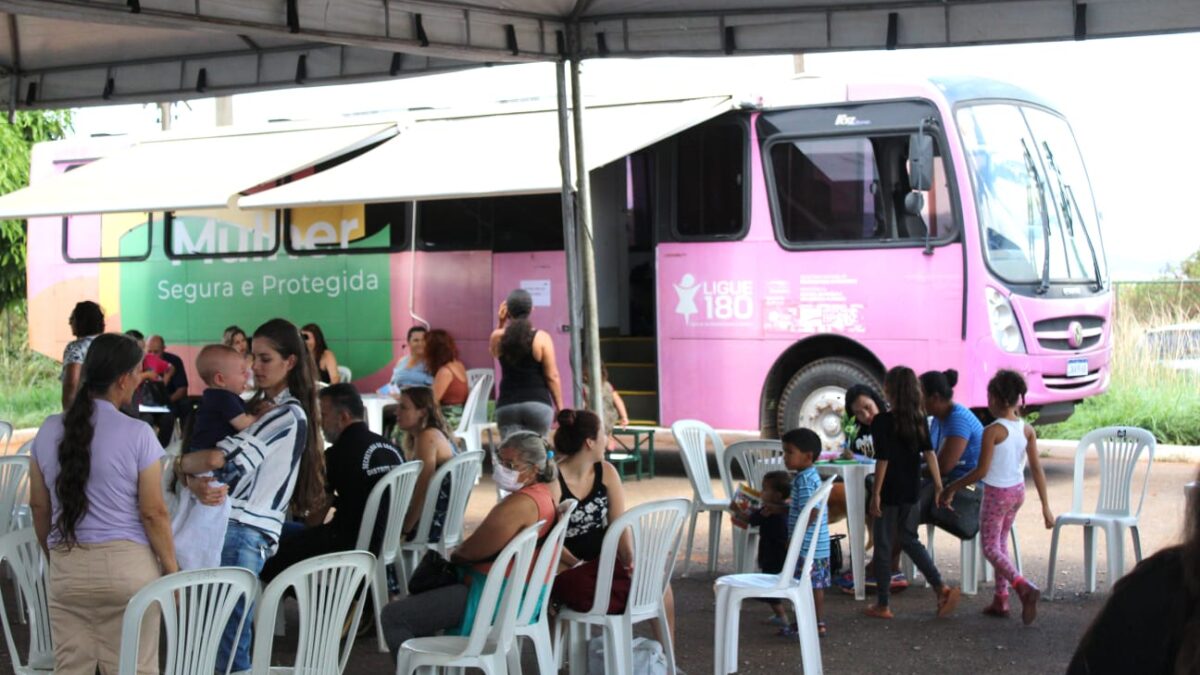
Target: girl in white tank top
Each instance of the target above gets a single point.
(1008, 444)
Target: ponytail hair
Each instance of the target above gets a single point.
(940, 383)
(903, 391)
(575, 429)
(108, 358)
(517, 340)
(1008, 387)
(534, 450)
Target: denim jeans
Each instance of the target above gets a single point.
(245, 547)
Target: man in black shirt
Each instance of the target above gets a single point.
(357, 460)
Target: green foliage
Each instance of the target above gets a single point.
(29, 386)
(1191, 266)
(16, 142)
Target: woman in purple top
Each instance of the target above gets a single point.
(95, 490)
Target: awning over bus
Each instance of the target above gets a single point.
(506, 154)
(177, 172)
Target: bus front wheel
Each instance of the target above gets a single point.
(815, 397)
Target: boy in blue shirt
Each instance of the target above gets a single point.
(801, 449)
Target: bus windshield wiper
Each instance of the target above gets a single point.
(1031, 167)
(1069, 203)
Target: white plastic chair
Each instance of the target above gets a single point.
(488, 377)
(23, 555)
(1118, 450)
(537, 597)
(468, 430)
(14, 487)
(345, 374)
(733, 589)
(196, 606)
(329, 590)
(692, 437)
(6, 432)
(398, 484)
(492, 633)
(754, 459)
(462, 469)
(655, 528)
(26, 448)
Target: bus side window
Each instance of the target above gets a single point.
(710, 184)
(111, 237)
(853, 189)
(829, 190)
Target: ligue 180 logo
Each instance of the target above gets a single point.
(714, 301)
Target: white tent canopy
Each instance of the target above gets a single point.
(57, 53)
(188, 172)
(507, 154)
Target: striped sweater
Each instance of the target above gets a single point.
(262, 463)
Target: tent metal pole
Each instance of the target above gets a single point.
(570, 243)
(587, 257)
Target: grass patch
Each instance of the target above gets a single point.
(29, 386)
(1142, 393)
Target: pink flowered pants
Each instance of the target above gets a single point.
(996, 516)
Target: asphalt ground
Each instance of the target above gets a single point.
(915, 641)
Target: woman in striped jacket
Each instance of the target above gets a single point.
(274, 466)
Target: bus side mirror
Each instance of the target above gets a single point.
(920, 161)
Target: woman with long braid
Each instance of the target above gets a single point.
(95, 490)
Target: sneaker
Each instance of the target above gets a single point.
(790, 630)
(877, 612)
(844, 581)
(777, 621)
(899, 582)
(998, 608)
(947, 601)
(1029, 595)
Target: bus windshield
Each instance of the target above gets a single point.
(1036, 211)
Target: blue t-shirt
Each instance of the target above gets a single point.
(408, 374)
(804, 486)
(960, 423)
(217, 408)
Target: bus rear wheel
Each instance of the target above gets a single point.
(815, 397)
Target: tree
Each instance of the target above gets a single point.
(16, 142)
(1191, 266)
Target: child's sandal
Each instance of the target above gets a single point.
(821, 629)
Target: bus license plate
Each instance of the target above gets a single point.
(1077, 368)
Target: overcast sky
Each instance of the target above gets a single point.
(1128, 101)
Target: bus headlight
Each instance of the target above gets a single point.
(1005, 330)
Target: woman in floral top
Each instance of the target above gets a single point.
(87, 321)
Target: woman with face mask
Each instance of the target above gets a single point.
(428, 438)
(525, 468)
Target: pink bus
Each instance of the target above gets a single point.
(754, 259)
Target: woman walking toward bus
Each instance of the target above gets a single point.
(87, 321)
(95, 491)
(530, 389)
(276, 463)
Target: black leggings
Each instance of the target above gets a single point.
(897, 518)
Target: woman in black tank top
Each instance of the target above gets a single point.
(530, 388)
(584, 475)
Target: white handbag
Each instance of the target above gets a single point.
(648, 657)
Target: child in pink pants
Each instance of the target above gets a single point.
(1008, 443)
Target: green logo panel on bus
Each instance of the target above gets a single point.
(193, 301)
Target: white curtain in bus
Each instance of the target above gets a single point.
(491, 155)
(178, 172)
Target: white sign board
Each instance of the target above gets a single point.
(539, 289)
